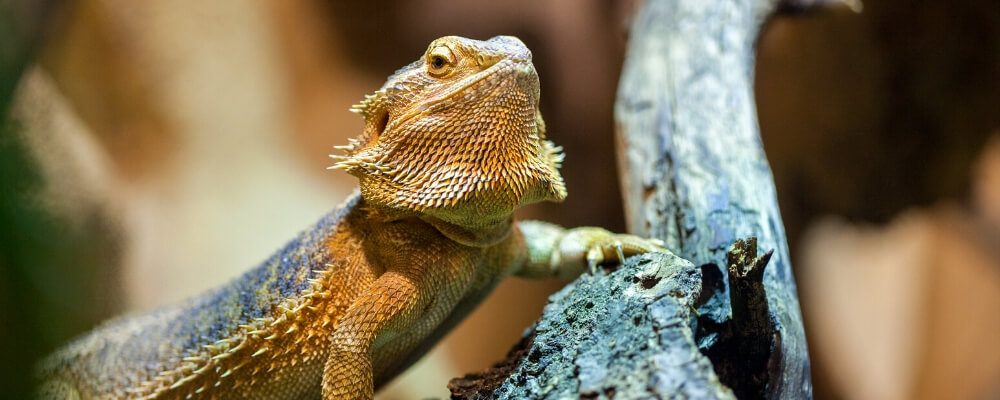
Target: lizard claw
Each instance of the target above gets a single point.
(618, 251)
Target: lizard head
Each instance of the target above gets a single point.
(457, 135)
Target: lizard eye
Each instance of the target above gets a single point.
(439, 61)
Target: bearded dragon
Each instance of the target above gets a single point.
(452, 145)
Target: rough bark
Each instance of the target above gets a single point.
(695, 175)
(627, 334)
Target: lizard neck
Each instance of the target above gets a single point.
(484, 234)
(481, 236)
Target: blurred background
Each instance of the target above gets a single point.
(152, 150)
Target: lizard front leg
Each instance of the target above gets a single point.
(566, 253)
(390, 306)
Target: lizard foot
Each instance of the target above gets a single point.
(615, 248)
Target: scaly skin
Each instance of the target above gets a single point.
(453, 145)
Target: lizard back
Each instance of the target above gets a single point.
(105, 360)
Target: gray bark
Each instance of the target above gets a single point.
(694, 175)
(627, 334)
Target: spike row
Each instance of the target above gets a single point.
(220, 350)
(368, 103)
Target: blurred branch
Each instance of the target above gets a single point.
(47, 262)
(22, 24)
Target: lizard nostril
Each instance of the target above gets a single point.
(486, 61)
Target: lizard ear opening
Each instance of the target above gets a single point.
(381, 123)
